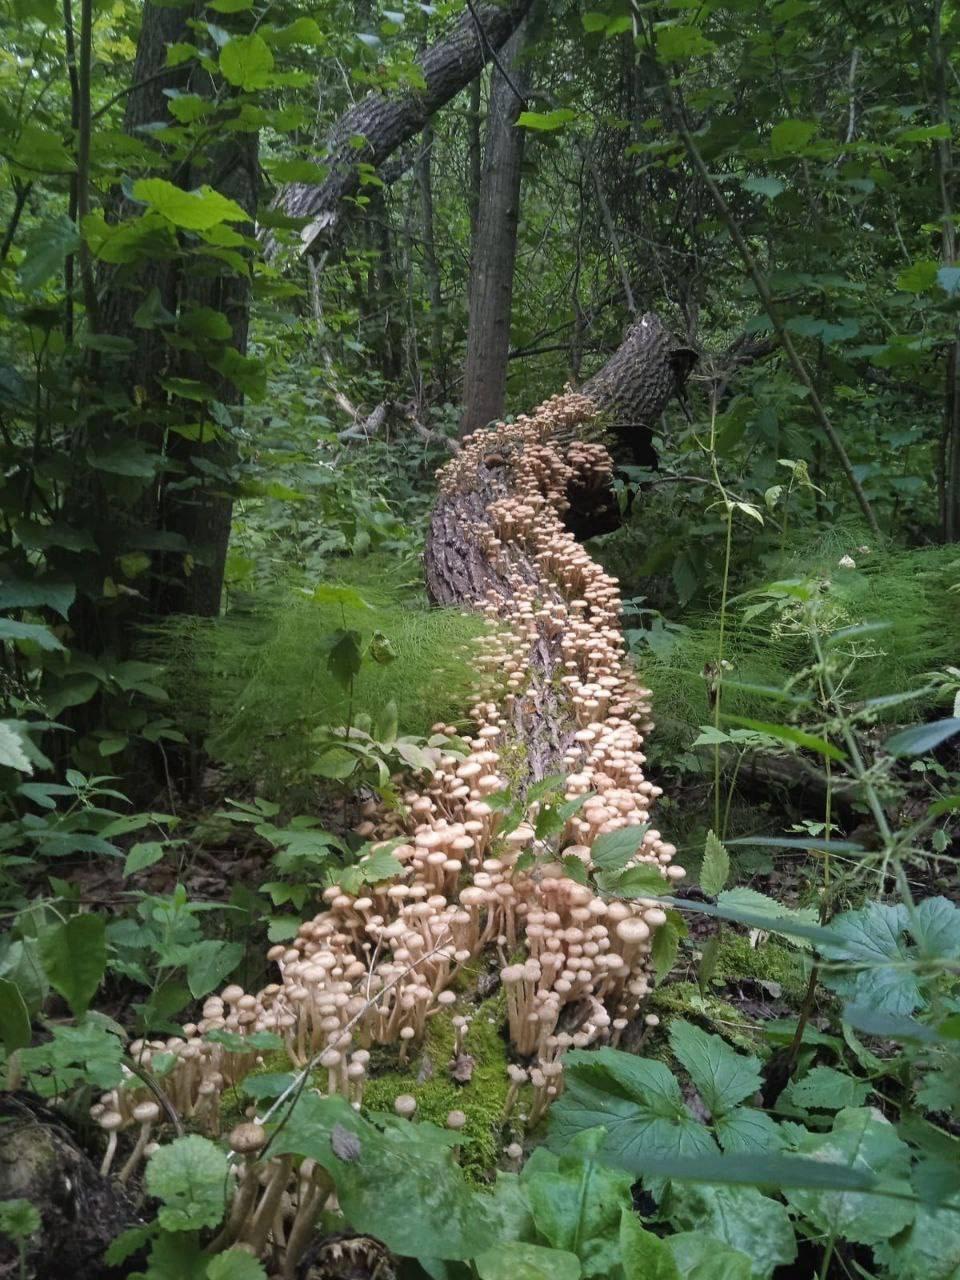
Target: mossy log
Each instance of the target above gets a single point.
(81, 1212)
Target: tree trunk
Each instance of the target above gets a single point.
(431, 268)
(495, 251)
(388, 122)
(474, 159)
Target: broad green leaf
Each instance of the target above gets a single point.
(666, 945)
(826, 1089)
(192, 210)
(235, 1264)
(642, 880)
(144, 855)
(791, 136)
(246, 61)
(741, 1217)
(15, 1030)
(764, 186)
(613, 849)
(210, 962)
(190, 1176)
(45, 250)
(344, 656)
(334, 763)
(37, 593)
(715, 868)
(873, 945)
(919, 276)
(677, 43)
(861, 1139)
(545, 121)
(643, 1255)
(516, 1261)
(700, 1257)
(373, 868)
(464, 1222)
(74, 956)
(636, 1100)
(929, 1250)
(29, 631)
(920, 739)
(13, 754)
(721, 1076)
(576, 1206)
(746, 1129)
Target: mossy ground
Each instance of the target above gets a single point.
(481, 1099)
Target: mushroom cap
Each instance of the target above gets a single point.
(248, 1138)
(456, 1119)
(405, 1104)
(146, 1112)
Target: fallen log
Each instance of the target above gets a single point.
(502, 532)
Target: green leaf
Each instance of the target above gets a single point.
(642, 880)
(19, 1219)
(860, 1139)
(29, 631)
(516, 1261)
(666, 946)
(15, 1030)
(769, 187)
(613, 849)
(334, 763)
(210, 962)
(45, 251)
(742, 1218)
(37, 593)
(74, 956)
(235, 1264)
(190, 1176)
(126, 458)
(636, 1100)
(644, 1256)
(700, 1257)
(344, 656)
(826, 1089)
(787, 733)
(246, 61)
(929, 1250)
(676, 43)
(920, 739)
(880, 962)
(545, 121)
(373, 868)
(193, 210)
(13, 744)
(919, 277)
(463, 1221)
(791, 136)
(715, 868)
(722, 1077)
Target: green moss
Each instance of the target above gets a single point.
(482, 1099)
(683, 1000)
(771, 961)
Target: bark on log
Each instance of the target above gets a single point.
(497, 540)
(387, 122)
(620, 402)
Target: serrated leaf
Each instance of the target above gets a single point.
(235, 1264)
(643, 1255)
(31, 632)
(715, 868)
(545, 121)
(722, 1077)
(246, 61)
(787, 733)
(826, 1089)
(190, 1176)
(13, 754)
(74, 956)
(613, 849)
(920, 739)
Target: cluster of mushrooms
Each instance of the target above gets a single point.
(373, 967)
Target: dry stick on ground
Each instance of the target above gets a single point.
(770, 307)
